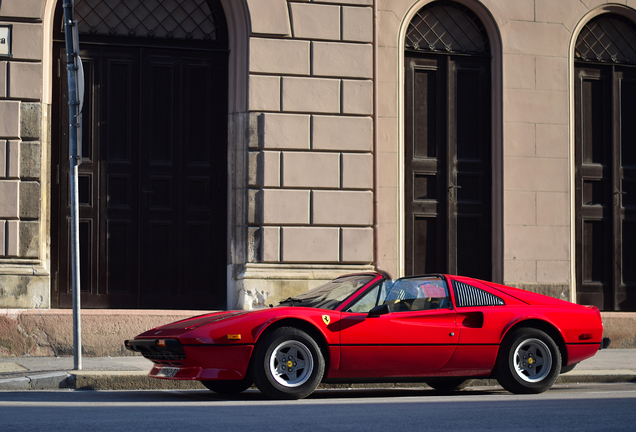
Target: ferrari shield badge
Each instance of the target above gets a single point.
(326, 319)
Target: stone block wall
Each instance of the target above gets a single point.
(308, 159)
(24, 280)
(311, 66)
(537, 145)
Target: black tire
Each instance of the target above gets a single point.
(287, 364)
(529, 361)
(228, 386)
(448, 384)
(566, 369)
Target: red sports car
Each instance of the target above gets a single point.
(439, 329)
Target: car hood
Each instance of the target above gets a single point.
(180, 327)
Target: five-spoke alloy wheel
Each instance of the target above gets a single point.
(529, 361)
(533, 360)
(291, 363)
(287, 364)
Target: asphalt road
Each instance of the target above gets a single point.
(575, 407)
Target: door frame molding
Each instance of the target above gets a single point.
(496, 75)
(603, 9)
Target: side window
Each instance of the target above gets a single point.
(370, 299)
(418, 294)
(468, 295)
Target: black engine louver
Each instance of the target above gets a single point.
(467, 295)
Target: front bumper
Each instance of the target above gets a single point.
(195, 362)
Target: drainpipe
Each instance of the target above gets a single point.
(376, 135)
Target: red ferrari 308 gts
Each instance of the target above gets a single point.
(439, 329)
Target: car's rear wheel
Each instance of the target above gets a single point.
(228, 386)
(529, 361)
(448, 384)
(287, 364)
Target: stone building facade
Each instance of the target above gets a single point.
(325, 108)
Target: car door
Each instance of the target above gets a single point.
(417, 335)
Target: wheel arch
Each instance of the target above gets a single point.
(299, 324)
(548, 328)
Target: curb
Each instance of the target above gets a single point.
(47, 381)
(139, 380)
(597, 377)
(129, 380)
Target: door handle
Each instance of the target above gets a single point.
(452, 190)
(616, 194)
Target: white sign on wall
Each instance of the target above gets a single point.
(5, 40)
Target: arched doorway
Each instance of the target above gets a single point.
(605, 162)
(153, 182)
(448, 174)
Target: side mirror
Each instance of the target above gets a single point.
(378, 310)
(446, 304)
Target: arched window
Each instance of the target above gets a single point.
(447, 143)
(605, 162)
(168, 19)
(608, 38)
(447, 27)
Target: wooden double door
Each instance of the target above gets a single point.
(448, 165)
(605, 190)
(152, 183)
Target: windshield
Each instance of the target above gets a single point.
(330, 295)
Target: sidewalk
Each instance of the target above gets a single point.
(130, 373)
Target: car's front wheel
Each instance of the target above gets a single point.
(287, 364)
(228, 386)
(529, 361)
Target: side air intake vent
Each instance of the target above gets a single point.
(467, 295)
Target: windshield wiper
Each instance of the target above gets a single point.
(291, 300)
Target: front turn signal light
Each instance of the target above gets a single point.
(234, 337)
(161, 343)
